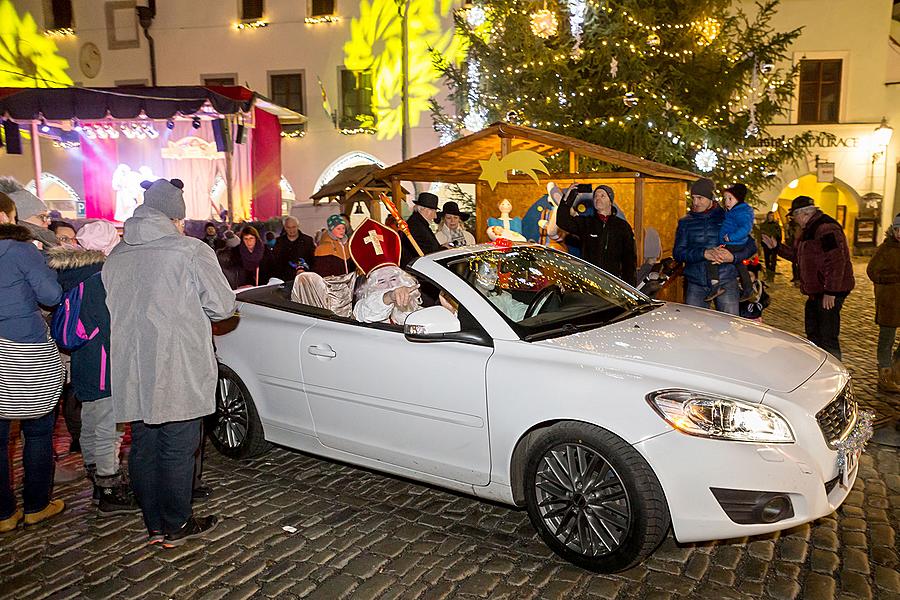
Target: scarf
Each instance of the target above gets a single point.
(250, 260)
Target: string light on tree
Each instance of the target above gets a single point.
(630, 100)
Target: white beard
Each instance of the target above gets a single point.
(386, 279)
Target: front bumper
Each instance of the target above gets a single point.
(687, 467)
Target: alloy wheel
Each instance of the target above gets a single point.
(581, 499)
(230, 428)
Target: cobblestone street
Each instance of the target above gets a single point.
(363, 535)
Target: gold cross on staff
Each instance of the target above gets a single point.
(375, 239)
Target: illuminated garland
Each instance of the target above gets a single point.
(251, 25)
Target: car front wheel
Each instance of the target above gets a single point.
(235, 429)
(593, 498)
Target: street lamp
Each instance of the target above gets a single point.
(883, 134)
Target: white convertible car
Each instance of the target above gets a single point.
(556, 387)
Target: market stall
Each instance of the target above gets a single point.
(651, 195)
(224, 142)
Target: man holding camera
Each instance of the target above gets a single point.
(607, 240)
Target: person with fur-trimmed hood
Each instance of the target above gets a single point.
(90, 368)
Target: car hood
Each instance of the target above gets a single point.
(692, 339)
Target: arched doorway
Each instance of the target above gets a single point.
(59, 195)
(836, 199)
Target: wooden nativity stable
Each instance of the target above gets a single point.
(650, 194)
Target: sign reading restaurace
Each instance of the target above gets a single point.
(820, 141)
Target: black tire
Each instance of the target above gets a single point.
(235, 429)
(613, 512)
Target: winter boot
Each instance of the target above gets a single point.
(886, 381)
(90, 472)
(115, 497)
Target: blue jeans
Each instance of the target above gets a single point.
(886, 336)
(695, 295)
(161, 465)
(37, 460)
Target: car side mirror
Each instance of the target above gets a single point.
(430, 323)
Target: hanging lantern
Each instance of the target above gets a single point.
(706, 160)
(653, 40)
(544, 23)
(630, 100)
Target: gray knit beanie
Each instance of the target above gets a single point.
(166, 197)
(704, 187)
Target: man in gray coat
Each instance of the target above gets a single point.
(162, 290)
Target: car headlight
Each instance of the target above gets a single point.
(708, 415)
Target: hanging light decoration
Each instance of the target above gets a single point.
(706, 160)
(630, 100)
(544, 23)
(653, 40)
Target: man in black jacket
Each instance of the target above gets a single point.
(290, 247)
(424, 213)
(607, 240)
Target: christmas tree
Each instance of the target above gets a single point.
(689, 83)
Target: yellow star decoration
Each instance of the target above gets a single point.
(28, 58)
(493, 170)
(375, 45)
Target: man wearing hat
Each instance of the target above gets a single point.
(822, 256)
(606, 241)
(163, 288)
(451, 233)
(697, 243)
(424, 213)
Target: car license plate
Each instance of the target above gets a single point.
(849, 466)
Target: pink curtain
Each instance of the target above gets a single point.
(100, 158)
(266, 166)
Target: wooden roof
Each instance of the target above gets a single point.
(457, 162)
(350, 181)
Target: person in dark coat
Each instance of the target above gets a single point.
(248, 263)
(607, 241)
(90, 365)
(884, 271)
(424, 212)
(771, 228)
(211, 236)
(826, 273)
(697, 242)
(291, 247)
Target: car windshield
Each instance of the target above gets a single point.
(544, 293)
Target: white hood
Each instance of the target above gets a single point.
(704, 341)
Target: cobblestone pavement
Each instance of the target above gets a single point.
(365, 535)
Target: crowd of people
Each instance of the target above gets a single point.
(133, 316)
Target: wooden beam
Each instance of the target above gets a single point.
(639, 218)
(505, 146)
(573, 162)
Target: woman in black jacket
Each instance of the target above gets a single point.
(607, 240)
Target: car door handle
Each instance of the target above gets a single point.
(324, 351)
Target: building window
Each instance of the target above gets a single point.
(820, 91)
(58, 14)
(356, 99)
(288, 90)
(321, 8)
(221, 80)
(252, 10)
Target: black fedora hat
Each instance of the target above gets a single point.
(452, 208)
(801, 202)
(427, 199)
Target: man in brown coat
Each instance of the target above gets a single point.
(884, 271)
(822, 256)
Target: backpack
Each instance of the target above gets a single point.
(66, 326)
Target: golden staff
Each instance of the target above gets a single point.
(401, 224)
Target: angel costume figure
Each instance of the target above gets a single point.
(389, 294)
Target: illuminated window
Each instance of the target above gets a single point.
(820, 91)
(252, 10)
(320, 8)
(356, 99)
(58, 14)
(219, 79)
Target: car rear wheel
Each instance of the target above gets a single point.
(593, 498)
(235, 429)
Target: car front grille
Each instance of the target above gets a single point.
(838, 418)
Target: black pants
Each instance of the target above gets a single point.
(161, 465)
(823, 327)
(770, 256)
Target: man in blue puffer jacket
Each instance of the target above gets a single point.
(697, 241)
